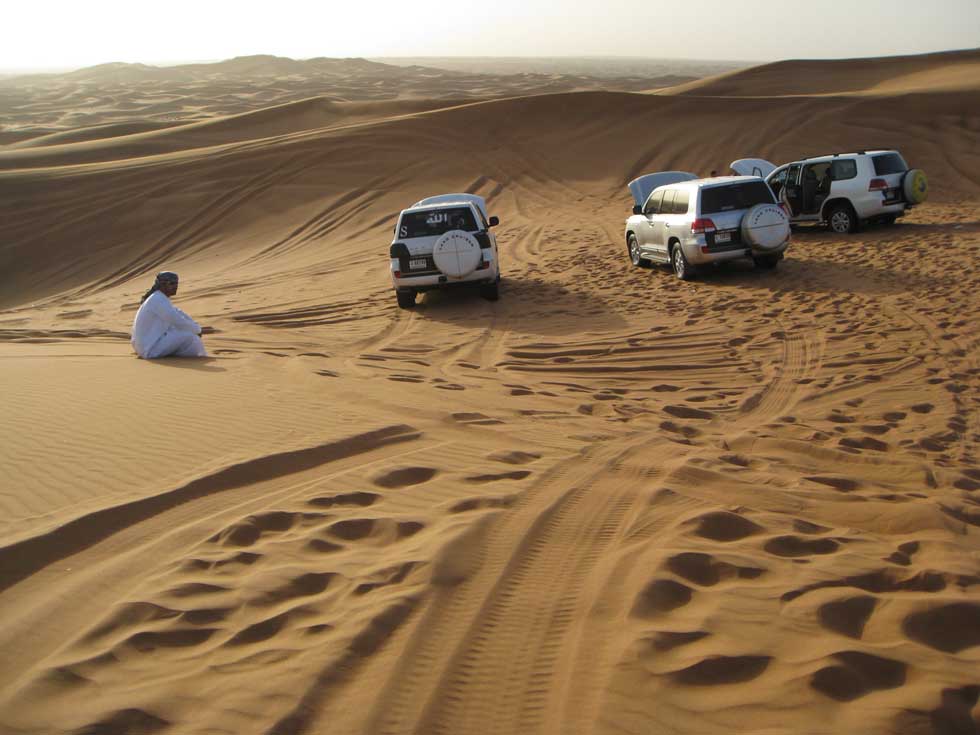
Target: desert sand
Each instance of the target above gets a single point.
(610, 502)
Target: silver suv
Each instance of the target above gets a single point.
(687, 222)
(843, 190)
(444, 241)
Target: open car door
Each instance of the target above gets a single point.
(450, 198)
(640, 188)
(753, 167)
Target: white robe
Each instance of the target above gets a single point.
(160, 329)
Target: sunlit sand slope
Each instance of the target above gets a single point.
(948, 71)
(610, 502)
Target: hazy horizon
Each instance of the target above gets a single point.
(63, 35)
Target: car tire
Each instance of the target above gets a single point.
(842, 219)
(765, 227)
(633, 252)
(490, 291)
(766, 262)
(682, 269)
(456, 253)
(406, 299)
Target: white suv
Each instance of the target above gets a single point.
(843, 190)
(444, 241)
(686, 221)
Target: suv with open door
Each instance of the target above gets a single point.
(686, 222)
(843, 190)
(444, 241)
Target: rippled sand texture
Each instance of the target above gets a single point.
(611, 502)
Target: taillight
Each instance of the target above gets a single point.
(877, 185)
(700, 226)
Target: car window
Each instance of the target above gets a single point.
(681, 199)
(889, 163)
(436, 222)
(717, 199)
(843, 169)
(667, 206)
(653, 203)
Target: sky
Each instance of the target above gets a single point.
(60, 34)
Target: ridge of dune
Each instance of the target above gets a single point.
(126, 141)
(945, 71)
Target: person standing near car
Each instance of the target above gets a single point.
(160, 329)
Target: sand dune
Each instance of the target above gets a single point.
(947, 71)
(610, 502)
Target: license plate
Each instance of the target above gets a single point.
(416, 264)
(723, 237)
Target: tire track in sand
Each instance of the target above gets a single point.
(518, 620)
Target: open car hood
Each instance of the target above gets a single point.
(640, 188)
(450, 198)
(753, 167)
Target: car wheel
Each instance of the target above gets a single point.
(633, 250)
(406, 299)
(842, 219)
(766, 262)
(682, 269)
(490, 291)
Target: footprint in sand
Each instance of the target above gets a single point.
(661, 596)
(858, 674)
(405, 476)
(950, 628)
(719, 670)
(705, 570)
(724, 526)
(687, 412)
(793, 546)
(847, 616)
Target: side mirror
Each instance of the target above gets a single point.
(493, 221)
(637, 209)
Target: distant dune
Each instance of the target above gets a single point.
(947, 71)
(610, 502)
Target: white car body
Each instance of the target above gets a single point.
(842, 190)
(695, 229)
(420, 231)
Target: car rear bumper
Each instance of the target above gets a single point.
(698, 253)
(433, 281)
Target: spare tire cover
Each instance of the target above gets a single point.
(765, 226)
(457, 253)
(915, 186)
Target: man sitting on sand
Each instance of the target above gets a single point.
(160, 329)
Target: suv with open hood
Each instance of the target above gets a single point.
(686, 222)
(843, 190)
(444, 241)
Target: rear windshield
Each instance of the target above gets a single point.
(889, 163)
(436, 222)
(735, 196)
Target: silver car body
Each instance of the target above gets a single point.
(813, 186)
(658, 232)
